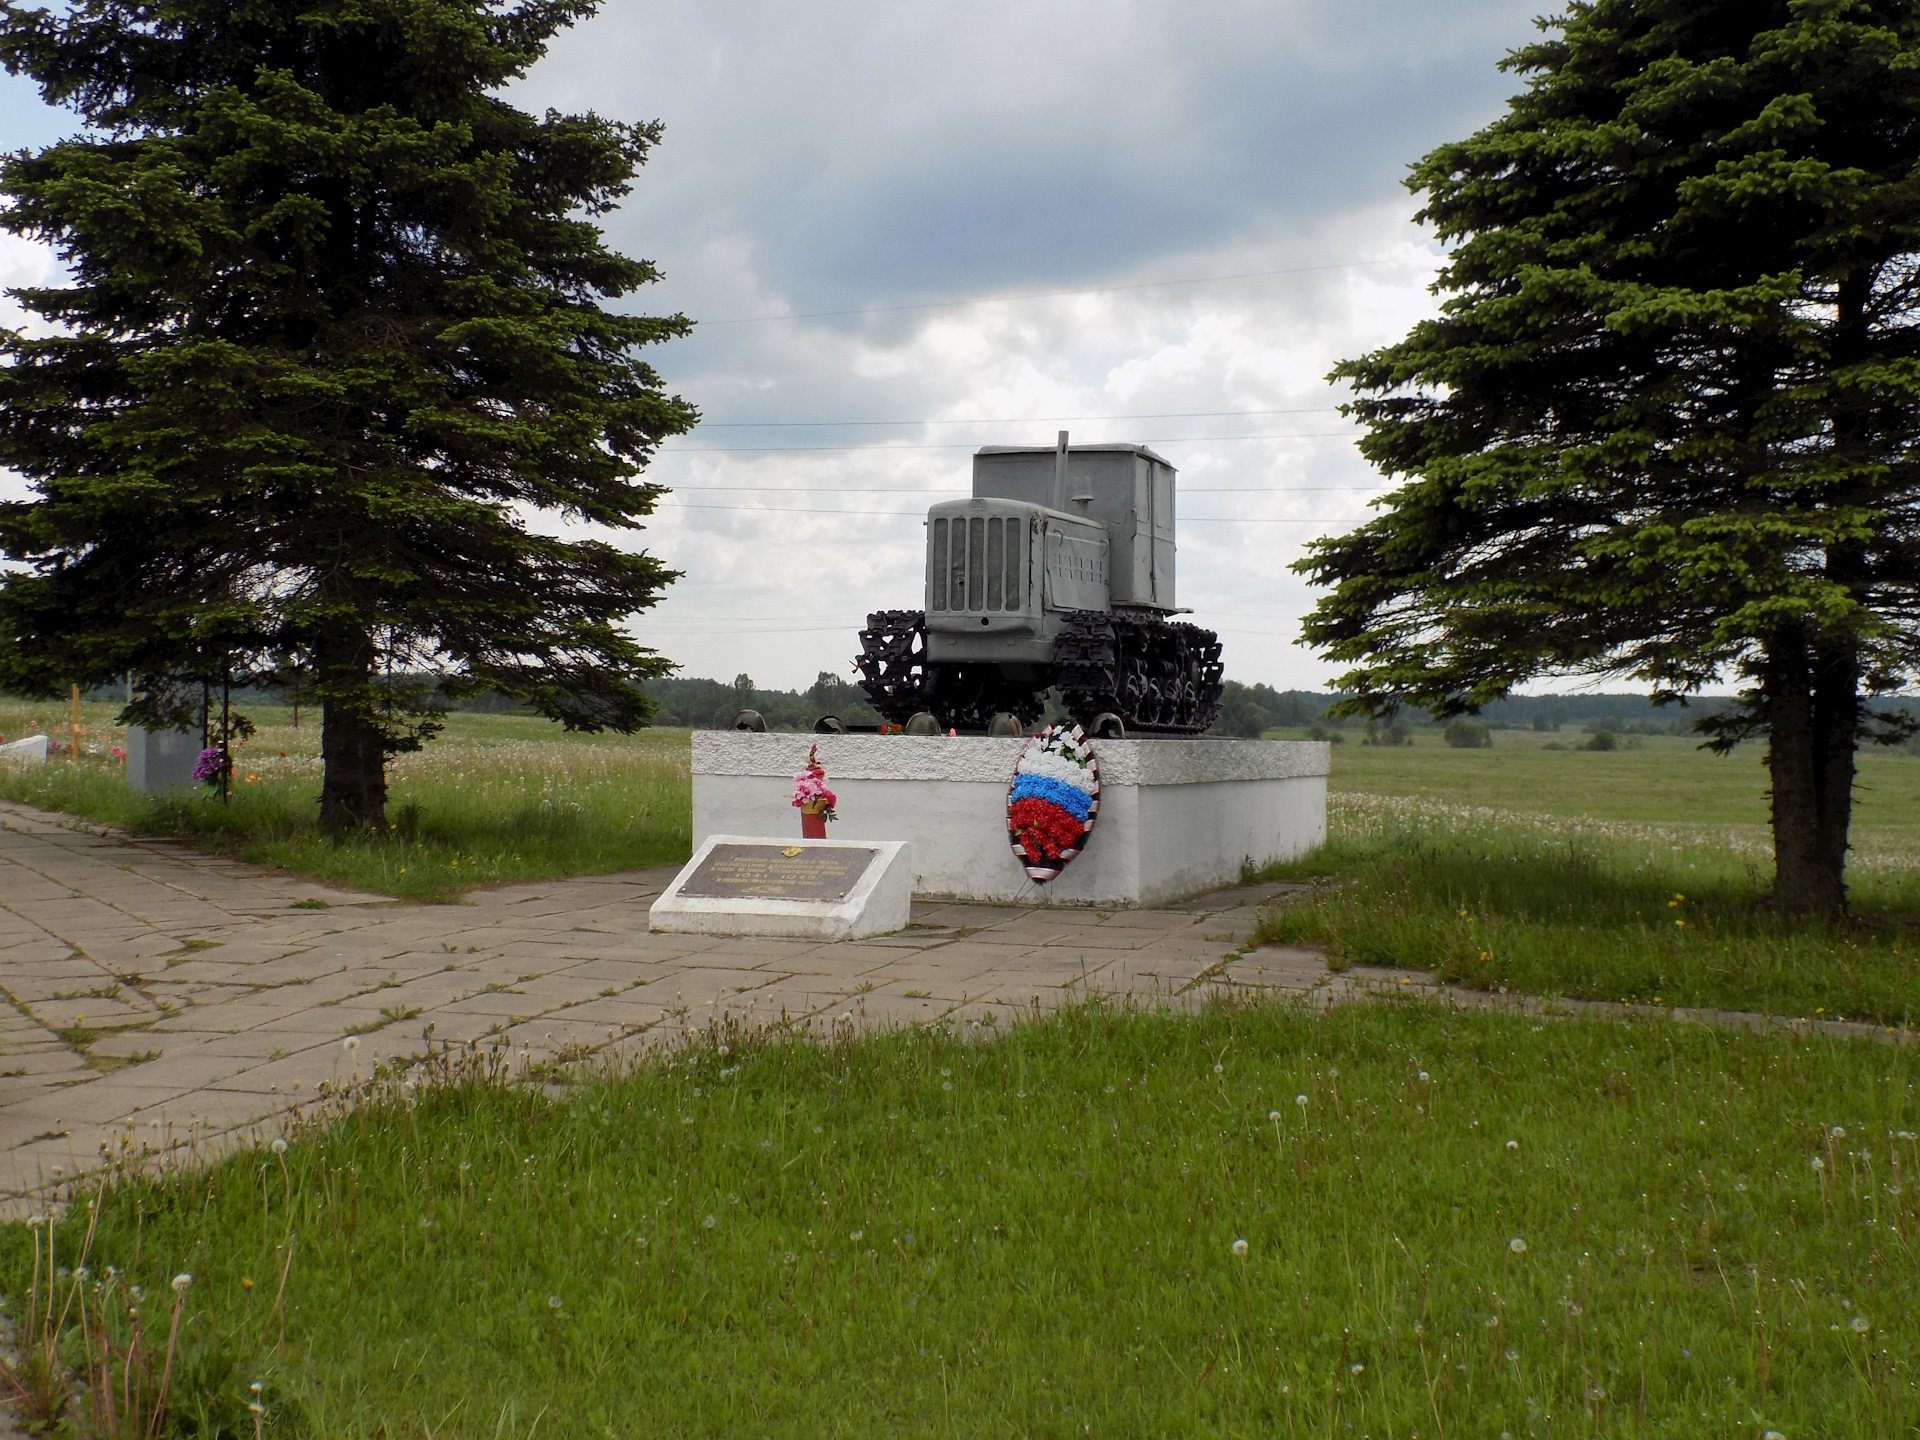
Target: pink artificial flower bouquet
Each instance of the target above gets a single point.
(810, 793)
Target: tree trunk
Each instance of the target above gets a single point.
(353, 757)
(1813, 718)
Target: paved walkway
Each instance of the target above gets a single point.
(162, 998)
(166, 996)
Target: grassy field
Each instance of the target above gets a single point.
(494, 798)
(1453, 1225)
(1633, 875)
(1663, 779)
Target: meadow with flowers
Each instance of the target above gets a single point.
(1664, 912)
(493, 798)
(1252, 1221)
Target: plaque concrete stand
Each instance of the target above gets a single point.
(1177, 817)
(808, 889)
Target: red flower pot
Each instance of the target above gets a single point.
(813, 825)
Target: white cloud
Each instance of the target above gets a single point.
(855, 154)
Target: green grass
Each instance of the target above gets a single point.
(1603, 909)
(494, 798)
(1471, 1224)
(1662, 779)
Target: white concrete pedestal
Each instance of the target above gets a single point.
(1177, 817)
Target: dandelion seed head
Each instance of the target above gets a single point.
(350, 1044)
(1219, 1069)
(180, 1283)
(1301, 1101)
(1818, 1163)
(1838, 1132)
(1517, 1245)
(1240, 1249)
(1425, 1078)
(1859, 1325)
(857, 1236)
(1357, 1369)
(1513, 1144)
(553, 1302)
(1273, 1114)
(708, 1223)
(279, 1145)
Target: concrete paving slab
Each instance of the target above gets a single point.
(252, 1022)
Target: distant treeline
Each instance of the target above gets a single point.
(712, 704)
(1247, 710)
(1251, 709)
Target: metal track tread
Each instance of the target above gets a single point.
(1159, 678)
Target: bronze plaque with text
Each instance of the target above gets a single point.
(777, 872)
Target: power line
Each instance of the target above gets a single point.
(1023, 420)
(790, 490)
(1052, 294)
(921, 514)
(783, 629)
(969, 444)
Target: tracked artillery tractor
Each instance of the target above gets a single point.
(1058, 573)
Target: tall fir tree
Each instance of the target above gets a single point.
(335, 334)
(1664, 423)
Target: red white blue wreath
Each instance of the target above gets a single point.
(1053, 802)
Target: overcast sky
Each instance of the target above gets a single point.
(881, 161)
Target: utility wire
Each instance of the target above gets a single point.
(921, 514)
(1053, 294)
(1022, 420)
(938, 490)
(969, 444)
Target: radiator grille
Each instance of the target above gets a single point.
(974, 564)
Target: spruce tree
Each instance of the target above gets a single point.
(333, 360)
(1663, 425)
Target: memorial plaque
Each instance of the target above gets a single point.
(810, 889)
(778, 872)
